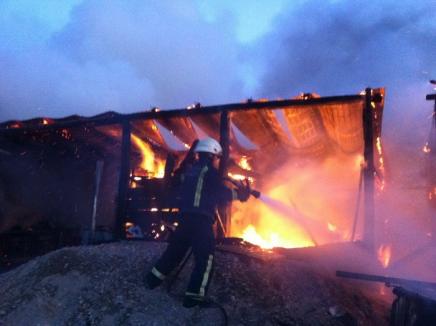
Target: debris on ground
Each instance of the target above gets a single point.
(104, 285)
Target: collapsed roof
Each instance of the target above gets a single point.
(307, 126)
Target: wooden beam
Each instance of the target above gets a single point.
(123, 182)
(224, 211)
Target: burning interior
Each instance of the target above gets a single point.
(317, 161)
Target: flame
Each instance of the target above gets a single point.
(381, 168)
(243, 163)
(384, 253)
(319, 206)
(128, 225)
(331, 227)
(149, 163)
(359, 161)
(239, 177)
(250, 235)
(236, 176)
(380, 153)
(271, 239)
(426, 149)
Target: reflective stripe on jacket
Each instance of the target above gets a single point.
(202, 190)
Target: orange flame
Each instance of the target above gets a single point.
(273, 239)
(250, 235)
(331, 227)
(379, 146)
(243, 163)
(381, 167)
(319, 206)
(384, 253)
(149, 163)
(239, 177)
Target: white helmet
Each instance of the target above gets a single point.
(208, 145)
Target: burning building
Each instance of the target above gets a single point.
(316, 160)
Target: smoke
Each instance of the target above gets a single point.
(341, 47)
(114, 55)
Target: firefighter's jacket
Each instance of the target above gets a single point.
(201, 190)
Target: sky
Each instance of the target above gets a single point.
(86, 57)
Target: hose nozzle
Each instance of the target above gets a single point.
(255, 193)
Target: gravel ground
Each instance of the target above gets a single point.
(104, 285)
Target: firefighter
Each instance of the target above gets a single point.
(201, 190)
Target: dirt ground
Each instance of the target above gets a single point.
(104, 285)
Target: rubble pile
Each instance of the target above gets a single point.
(104, 285)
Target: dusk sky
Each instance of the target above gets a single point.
(85, 57)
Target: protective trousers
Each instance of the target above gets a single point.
(196, 232)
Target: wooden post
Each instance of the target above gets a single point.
(225, 144)
(368, 173)
(123, 183)
(98, 172)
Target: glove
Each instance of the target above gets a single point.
(243, 191)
